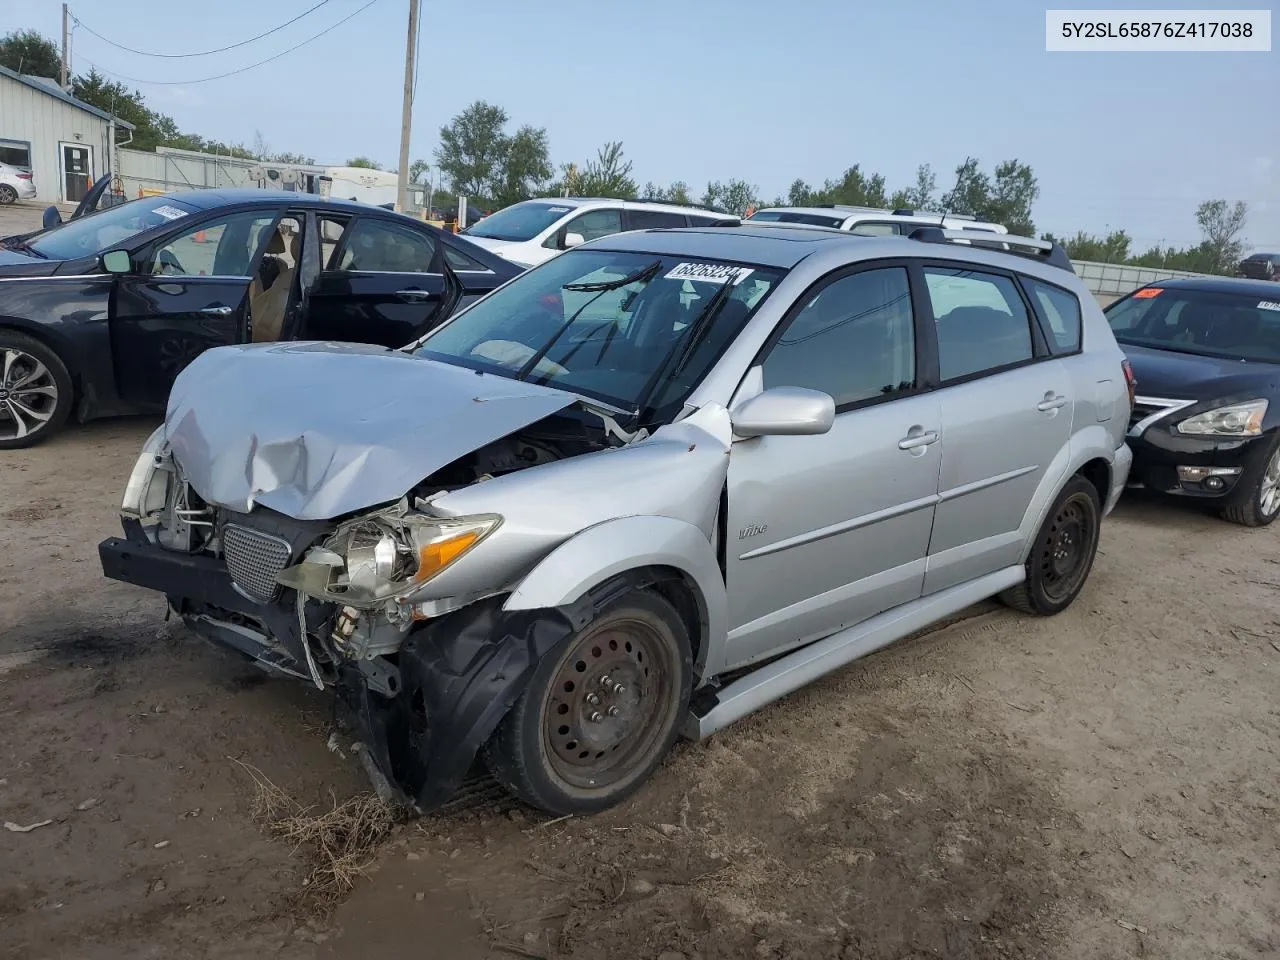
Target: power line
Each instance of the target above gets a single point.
(232, 73)
(202, 53)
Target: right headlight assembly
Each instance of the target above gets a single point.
(386, 557)
(1233, 420)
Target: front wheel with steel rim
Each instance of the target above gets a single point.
(600, 712)
(35, 391)
(1261, 505)
(1062, 554)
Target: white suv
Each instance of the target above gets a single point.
(871, 221)
(530, 232)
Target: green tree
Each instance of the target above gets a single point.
(677, 192)
(1113, 248)
(417, 170)
(1007, 198)
(922, 195)
(364, 163)
(478, 158)
(735, 196)
(1222, 225)
(525, 169)
(27, 51)
(608, 175)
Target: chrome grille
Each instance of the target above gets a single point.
(254, 559)
(1147, 410)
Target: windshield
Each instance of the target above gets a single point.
(1211, 324)
(97, 232)
(619, 327)
(520, 222)
(788, 216)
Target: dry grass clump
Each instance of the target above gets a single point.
(340, 843)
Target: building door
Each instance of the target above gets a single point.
(77, 171)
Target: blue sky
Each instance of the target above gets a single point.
(711, 90)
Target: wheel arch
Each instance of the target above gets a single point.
(672, 557)
(1090, 454)
(59, 344)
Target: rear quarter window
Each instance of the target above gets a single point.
(1062, 309)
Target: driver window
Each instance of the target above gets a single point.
(854, 340)
(215, 248)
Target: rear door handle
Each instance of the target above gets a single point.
(415, 294)
(914, 440)
(219, 311)
(1051, 401)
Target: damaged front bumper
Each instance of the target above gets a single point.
(455, 676)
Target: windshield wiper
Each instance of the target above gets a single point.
(644, 273)
(698, 330)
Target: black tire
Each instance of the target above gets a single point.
(552, 754)
(8, 195)
(1062, 554)
(1261, 505)
(19, 429)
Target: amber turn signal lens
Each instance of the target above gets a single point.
(434, 557)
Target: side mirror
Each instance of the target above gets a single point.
(784, 411)
(51, 217)
(117, 261)
(573, 240)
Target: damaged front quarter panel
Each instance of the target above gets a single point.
(458, 677)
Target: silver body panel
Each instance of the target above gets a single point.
(850, 538)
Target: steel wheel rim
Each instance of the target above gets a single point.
(28, 394)
(1067, 547)
(7, 193)
(602, 716)
(1269, 489)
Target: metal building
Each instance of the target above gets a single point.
(65, 143)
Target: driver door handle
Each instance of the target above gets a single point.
(415, 294)
(220, 311)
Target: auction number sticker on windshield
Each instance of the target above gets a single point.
(169, 213)
(1268, 305)
(709, 273)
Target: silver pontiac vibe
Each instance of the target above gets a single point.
(639, 491)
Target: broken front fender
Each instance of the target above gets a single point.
(458, 677)
(600, 553)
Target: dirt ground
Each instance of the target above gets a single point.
(1102, 784)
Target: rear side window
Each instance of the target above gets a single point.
(458, 260)
(380, 246)
(653, 219)
(697, 221)
(1062, 309)
(981, 320)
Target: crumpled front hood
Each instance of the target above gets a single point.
(318, 430)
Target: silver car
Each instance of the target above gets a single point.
(637, 492)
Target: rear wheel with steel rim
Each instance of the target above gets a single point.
(1063, 552)
(35, 391)
(1261, 505)
(8, 195)
(600, 712)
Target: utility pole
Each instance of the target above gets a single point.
(406, 121)
(66, 45)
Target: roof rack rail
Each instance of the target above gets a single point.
(1051, 253)
(677, 203)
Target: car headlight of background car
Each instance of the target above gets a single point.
(386, 557)
(1235, 420)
